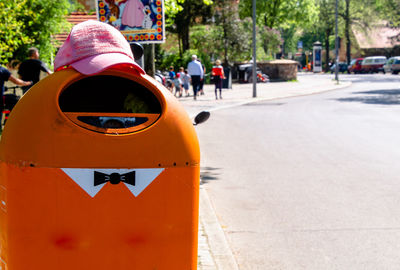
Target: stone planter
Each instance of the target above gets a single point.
(279, 70)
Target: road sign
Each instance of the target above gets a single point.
(139, 21)
(300, 45)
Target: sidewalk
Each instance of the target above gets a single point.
(243, 93)
(214, 251)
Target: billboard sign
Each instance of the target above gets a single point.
(139, 21)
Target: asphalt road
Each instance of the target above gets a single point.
(309, 182)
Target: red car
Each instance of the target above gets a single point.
(355, 65)
(373, 64)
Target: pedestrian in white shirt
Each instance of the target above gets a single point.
(195, 71)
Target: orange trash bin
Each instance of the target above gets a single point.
(99, 172)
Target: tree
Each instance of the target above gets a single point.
(45, 18)
(27, 23)
(12, 34)
(357, 13)
(275, 13)
(326, 23)
(279, 14)
(185, 14)
(393, 9)
(230, 35)
(270, 40)
(390, 11)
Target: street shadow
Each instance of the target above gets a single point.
(375, 97)
(261, 103)
(208, 174)
(373, 80)
(369, 78)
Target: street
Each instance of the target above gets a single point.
(309, 182)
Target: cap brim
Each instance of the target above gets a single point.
(97, 63)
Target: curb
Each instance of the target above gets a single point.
(218, 247)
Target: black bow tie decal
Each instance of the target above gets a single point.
(114, 178)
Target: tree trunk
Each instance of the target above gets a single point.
(347, 32)
(327, 58)
(180, 45)
(185, 38)
(224, 26)
(149, 59)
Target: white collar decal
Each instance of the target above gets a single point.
(92, 180)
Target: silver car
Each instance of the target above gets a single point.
(396, 66)
(392, 65)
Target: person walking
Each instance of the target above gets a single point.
(29, 70)
(218, 73)
(181, 71)
(178, 85)
(195, 71)
(186, 82)
(6, 75)
(171, 75)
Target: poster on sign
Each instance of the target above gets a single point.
(139, 21)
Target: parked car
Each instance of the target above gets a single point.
(396, 66)
(342, 67)
(355, 65)
(373, 64)
(388, 67)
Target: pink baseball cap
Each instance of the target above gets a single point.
(92, 47)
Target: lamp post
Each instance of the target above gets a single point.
(254, 52)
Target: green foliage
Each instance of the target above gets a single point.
(270, 40)
(211, 42)
(173, 59)
(12, 30)
(187, 14)
(311, 35)
(290, 36)
(362, 14)
(33, 22)
(223, 45)
(275, 13)
(47, 18)
(173, 7)
(279, 19)
(390, 10)
(227, 42)
(231, 36)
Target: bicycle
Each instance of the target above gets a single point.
(9, 101)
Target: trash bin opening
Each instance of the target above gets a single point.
(109, 104)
